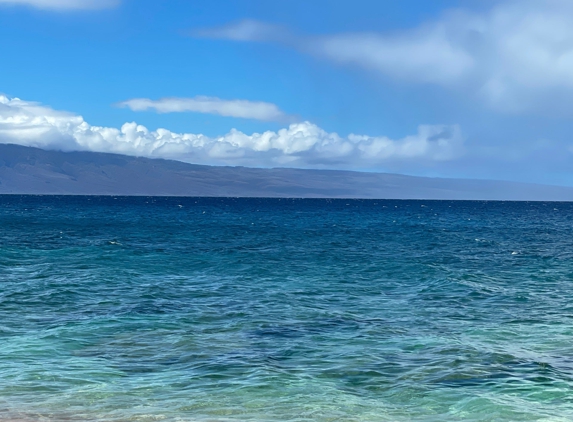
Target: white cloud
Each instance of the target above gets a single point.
(426, 56)
(517, 56)
(300, 145)
(245, 30)
(212, 105)
(62, 4)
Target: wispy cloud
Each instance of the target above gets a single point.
(245, 30)
(62, 5)
(244, 109)
(423, 57)
(517, 56)
(299, 145)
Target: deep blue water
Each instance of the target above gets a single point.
(196, 309)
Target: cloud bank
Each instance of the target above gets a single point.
(62, 5)
(517, 56)
(211, 105)
(303, 145)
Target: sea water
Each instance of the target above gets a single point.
(198, 309)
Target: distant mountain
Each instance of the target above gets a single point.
(26, 170)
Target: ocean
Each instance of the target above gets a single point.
(226, 309)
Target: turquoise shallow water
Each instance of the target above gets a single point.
(198, 309)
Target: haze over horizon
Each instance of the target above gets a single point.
(452, 89)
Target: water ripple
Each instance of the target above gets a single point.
(198, 309)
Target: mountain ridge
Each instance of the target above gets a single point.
(30, 170)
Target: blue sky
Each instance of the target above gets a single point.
(443, 88)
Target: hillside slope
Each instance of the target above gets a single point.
(26, 170)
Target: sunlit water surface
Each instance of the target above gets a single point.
(195, 309)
